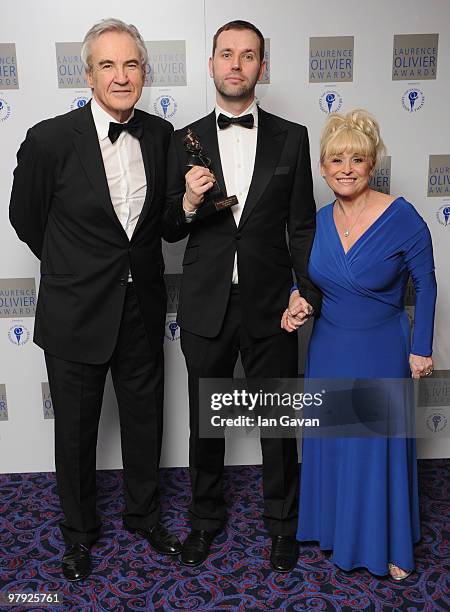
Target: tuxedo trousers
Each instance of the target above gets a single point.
(137, 372)
(272, 357)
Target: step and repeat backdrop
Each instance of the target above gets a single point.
(392, 58)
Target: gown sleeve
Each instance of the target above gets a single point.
(420, 263)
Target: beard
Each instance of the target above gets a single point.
(233, 92)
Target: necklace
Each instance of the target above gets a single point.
(349, 229)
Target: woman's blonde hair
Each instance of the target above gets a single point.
(357, 131)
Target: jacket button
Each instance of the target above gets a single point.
(238, 236)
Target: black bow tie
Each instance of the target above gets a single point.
(246, 121)
(133, 127)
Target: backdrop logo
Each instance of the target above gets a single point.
(17, 297)
(331, 59)
(3, 404)
(172, 331)
(5, 110)
(19, 334)
(435, 391)
(330, 102)
(414, 57)
(265, 79)
(79, 102)
(9, 78)
(70, 68)
(165, 106)
(47, 405)
(443, 215)
(166, 63)
(413, 100)
(439, 177)
(173, 284)
(381, 177)
(436, 422)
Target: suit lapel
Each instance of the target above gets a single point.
(148, 157)
(88, 149)
(268, 150)
(208, 140)
(207, 133)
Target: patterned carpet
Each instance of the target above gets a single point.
(128, 576)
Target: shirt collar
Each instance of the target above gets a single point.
(252, 109)
(102, 119)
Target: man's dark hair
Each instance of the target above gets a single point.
(239, 24)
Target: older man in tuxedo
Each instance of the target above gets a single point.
(87, 199)
(238, 271)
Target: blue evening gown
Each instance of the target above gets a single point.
(359, 496)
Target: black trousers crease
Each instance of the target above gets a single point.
(137, 371)
(272, 357)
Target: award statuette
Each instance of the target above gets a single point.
(215, 199)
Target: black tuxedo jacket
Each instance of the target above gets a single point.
(61, 207)
(280, 198)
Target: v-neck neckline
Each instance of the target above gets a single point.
(365, 232)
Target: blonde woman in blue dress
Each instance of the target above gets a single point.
(359, 496)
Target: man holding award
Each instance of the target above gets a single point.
(237, 180)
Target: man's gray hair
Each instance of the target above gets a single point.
(112, 25)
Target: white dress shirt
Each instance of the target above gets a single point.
(124, 168)
(237, 147)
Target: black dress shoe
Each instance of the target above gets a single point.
(196, 547)
(159, 538)
(76, 562)
(284, 553)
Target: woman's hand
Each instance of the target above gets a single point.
(297, 313)
(420, 366)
